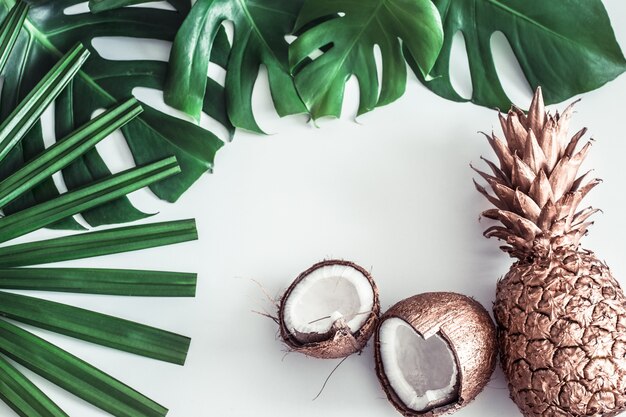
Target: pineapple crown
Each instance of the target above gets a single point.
(536, 187)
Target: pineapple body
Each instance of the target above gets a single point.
(562, 335)
(561, 315)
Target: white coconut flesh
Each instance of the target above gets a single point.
(422, 372)
(329, 294)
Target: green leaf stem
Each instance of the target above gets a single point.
(98, 243)
(63, 152)
(75, 375)
(23, 396)
(74, 202)
(95, 327)
(100, 281)
(9, 30)
(28, 112)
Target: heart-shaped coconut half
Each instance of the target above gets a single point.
(434, 352)
(330, 310)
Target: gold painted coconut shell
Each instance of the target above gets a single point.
(465, 325)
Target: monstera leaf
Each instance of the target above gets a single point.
(259, 39)
(48, 33)
(567, 47)
(348, 41)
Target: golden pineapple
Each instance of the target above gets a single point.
(560, 313)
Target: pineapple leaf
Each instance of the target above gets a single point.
(74, 375)
(103, 242)
(48, 32)
(23, 396)
(259, 39)
(95, 327)
(100, 281)
(10, 29)
(66, 150)
(347, 41)
(566, 47)
(73, 202)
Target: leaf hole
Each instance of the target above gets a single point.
(509, 71)
(155, 98)
(378, 58)
(114, 150)
(319, 52)
(118, 157)
(162, 5)
(341, 14)
(49, 138)
(351, 96)
(47, 126)
(80, 8)
(290, 38)
(264, 111)
(122, 48)
(460, 76)
(311, 57)
(217, 73)
(229, 28)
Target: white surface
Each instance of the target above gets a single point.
(392, 192)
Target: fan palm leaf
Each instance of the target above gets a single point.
(20, 347)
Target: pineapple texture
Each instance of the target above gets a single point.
(560, 313)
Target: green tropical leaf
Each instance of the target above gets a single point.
(97, 6)
(23, 396)
(74, 375)
(567, 47)
(73, 202)
(103, 242)
(40, 356)
(100, 281)
(95, 327)
(259, 39)
(63, 152)
(9, 30)
(348, 40)
(48, 33)
(28, 112)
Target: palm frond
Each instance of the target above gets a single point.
(30, 351)
(100, 281)
(9, 31)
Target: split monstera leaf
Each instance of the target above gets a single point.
(20, 347)
(48, 33)
(567, 47)
(310, 48)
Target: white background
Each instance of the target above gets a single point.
(391, 191)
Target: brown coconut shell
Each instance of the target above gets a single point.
(340, 341)
(470, 332)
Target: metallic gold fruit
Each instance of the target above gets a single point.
(560, 313)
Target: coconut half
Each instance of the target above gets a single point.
(330, 310)
(434, 353)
